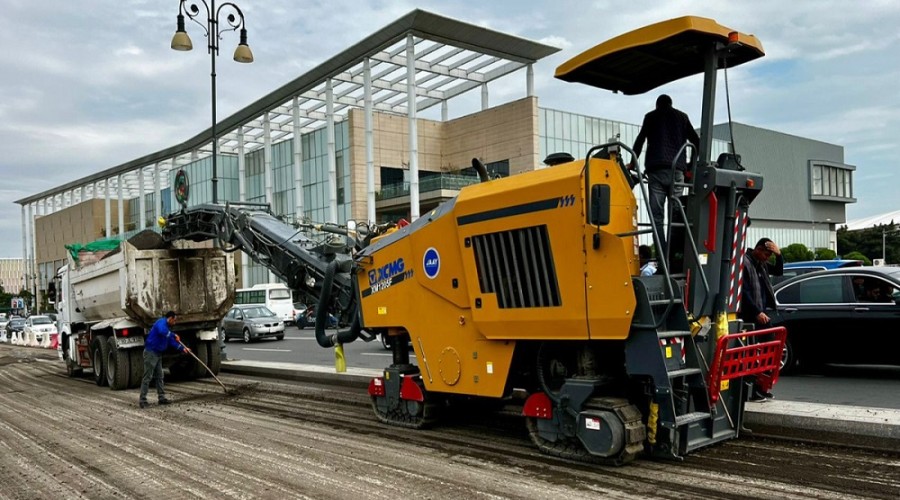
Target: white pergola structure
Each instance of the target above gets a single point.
(419, 61)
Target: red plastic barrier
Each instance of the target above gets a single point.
(747, 353)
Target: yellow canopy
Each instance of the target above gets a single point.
(643, 59)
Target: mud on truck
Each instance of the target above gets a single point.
(526, 290)
(108, 300)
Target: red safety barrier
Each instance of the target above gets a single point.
(747, 353)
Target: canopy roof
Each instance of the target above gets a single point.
(644, 59)
(451, 58)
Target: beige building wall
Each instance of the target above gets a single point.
(12, 274)
(507, 132)
(81, 223)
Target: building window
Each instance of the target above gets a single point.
(831, 181)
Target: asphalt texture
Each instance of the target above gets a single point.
(867, 427)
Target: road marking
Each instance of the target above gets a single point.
(382, 354)
(300, 338)
(258, 349)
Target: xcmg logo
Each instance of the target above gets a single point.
(386, 272)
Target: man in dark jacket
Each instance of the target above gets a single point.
(666, 130)
(757, 295)
(158, 340)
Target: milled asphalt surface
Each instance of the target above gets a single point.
(845, 425)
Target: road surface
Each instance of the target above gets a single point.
(67, 438)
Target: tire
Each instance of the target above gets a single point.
(118, 366)
(215, 358)
(247, 338)
(99, 352)
(72, 370)
(202, 352)
(223, 335)
(136, 359)
(788, 358)
(279, 337)
(385, 342)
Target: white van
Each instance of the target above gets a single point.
(275, 296)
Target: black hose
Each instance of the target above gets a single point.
(341, 336)
(479, 167)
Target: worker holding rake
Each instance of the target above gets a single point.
(158, 340)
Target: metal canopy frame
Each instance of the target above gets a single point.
(451, 58)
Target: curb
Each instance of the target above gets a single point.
(840, 425)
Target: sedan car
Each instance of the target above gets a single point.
(15, 325)
(251, 322)
(39, 326)
(797, 268)
(846, 315)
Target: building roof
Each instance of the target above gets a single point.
(451, 58)
(874, 220)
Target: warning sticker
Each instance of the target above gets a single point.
(592, 424)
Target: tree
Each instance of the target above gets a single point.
(825, 254)
(858, 256)
(871, 242)
(796, 252)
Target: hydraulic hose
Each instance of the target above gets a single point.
(341, 336)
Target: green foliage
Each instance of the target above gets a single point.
(858, 256)
(825, 254)
(796, 252)
(869, 241)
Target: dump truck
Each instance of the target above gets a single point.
(109, 299)
(527, 289)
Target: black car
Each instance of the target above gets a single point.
(15, 325)
(847, 315)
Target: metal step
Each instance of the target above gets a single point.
(668, 334)
(684, 372)
(689, 418)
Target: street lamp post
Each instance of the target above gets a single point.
(242, 54)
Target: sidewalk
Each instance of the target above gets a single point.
(875, 428)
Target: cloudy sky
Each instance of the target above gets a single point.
(91, 84)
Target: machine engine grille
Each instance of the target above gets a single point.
(518, 266)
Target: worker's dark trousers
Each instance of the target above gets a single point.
(152, 371)
(659, 182)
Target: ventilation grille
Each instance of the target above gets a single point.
(518, 266)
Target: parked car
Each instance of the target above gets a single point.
(792, 269)
(849, 315)
(299, 314)
(308, 318)
(39, 326)
(15, 325)
(251, 322)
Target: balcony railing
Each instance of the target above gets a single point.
(432, 183)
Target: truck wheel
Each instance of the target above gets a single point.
(117, 366)
(247, 338)
(136, 362)
(215, 358)
(202, 352)
(99, 351)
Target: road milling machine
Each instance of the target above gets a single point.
(527, 288)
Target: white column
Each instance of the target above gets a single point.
(484, 96)
(24, 246)
(267, 162)
(83, 194)
(445, 113)
(298, 161)
(332, 164)
(242, 196)
(142, 204)
(413, 129)
(106, 194)
(157, 194)
(529, 80)
(121, 205)
(370, 141)
(32, 259)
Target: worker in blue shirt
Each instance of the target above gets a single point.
(158, 340)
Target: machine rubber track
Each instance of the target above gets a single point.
(409, 414)
(571, 448)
